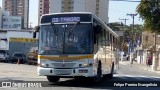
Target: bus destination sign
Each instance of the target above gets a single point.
(66, 19)
(63, 18)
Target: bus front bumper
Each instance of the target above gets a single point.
(84, 72)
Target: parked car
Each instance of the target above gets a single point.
(3, 56)
(18, 55)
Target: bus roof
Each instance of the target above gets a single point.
(94, 16)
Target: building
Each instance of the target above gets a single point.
(10, 22)
(43, 8)
(17, 41)
(97, 7)
(102, 7)
(17, 8)
(148, 40)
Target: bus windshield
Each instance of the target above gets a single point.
(65, 39)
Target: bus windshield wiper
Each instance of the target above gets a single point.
(72, 29)
(54, 28)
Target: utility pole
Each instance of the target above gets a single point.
(154, 59)
(133, 17)
(125, 20)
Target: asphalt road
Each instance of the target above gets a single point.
(126, 75)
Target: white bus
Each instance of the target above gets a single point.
(75, 44)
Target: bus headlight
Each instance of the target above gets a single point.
(87, 65)
(43, 63)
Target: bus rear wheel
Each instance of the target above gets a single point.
(53, 79)
(110, 76)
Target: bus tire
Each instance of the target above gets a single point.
(110, 76)
(53, 79)
(98, 78)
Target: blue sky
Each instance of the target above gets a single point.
(117, 9)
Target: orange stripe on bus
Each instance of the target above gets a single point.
(65, 57)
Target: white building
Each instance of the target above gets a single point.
(5, 36)
(97, 7)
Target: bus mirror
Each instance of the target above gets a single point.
(36, 29)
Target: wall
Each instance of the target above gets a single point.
(103, 10)
(21, 45)
(7, 34)
(55, 6)
(3, 40)
(79, 6)
(84, 6)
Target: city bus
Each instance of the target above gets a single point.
(75, 44)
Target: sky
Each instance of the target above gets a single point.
(117, 10)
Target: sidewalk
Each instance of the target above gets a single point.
(140, 66)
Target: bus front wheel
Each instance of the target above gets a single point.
(98, 77)
(53, 79)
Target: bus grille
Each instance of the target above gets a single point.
(63, 65)
(63, 72)
(65, 60)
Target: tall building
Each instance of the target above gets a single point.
(97, 7)
(17, 8)
(43, 8)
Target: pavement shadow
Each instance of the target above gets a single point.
(104, 84)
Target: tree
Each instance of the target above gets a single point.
(114, 25)
(149, 11)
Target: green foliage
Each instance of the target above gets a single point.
(149, 11)
(114, 25)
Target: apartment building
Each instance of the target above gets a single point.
(17, 8)
(97, 7)
(44, 6)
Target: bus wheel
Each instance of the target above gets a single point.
(110, 76)
(53, 79)
(99, 73)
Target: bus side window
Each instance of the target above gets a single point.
(97, 31)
